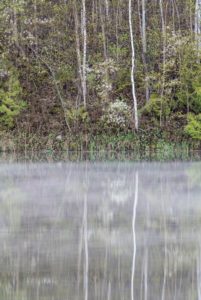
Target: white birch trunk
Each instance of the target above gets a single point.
(107, 8)
(77, 39)
(164, 57)
(198, 23)
(84, 30)
(144, 39)
(133, 66)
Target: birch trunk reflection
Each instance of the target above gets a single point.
(86, 263)
(134, 235)
(198, 265)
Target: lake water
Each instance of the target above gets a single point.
(100, 231)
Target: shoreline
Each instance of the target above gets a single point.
(130, 146)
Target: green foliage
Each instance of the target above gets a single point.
(65, 73)
(189, 94)
(193, 128)
(186, 92)
(156, 107)
(196, 97)
(10, 98)
(77, 117)
(122, 82)
(182, 81)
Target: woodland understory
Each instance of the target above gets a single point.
(94, 74)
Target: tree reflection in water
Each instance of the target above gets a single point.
(100, 231)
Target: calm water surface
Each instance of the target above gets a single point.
(100, 231)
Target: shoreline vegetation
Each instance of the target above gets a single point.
(100, 75)
(114, 147)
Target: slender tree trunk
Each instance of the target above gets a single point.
(81, 60)
(77, 39)
(164, 56)
(103, 31)
(178, 16)
(117, 32)
(144, 47)
(35, 25)
(198, 23)
(15, 27)
(173, 16)
(93, 16)
(84, 74)
(133, 66)
(144, 44)
(191, 19)
(15, 33)
(107, 8)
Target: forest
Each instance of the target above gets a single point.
(116, 73)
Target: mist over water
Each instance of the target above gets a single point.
(100, 231)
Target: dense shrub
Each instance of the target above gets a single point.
(11, 103)
(193, 128)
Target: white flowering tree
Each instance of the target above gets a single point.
(118, 115)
